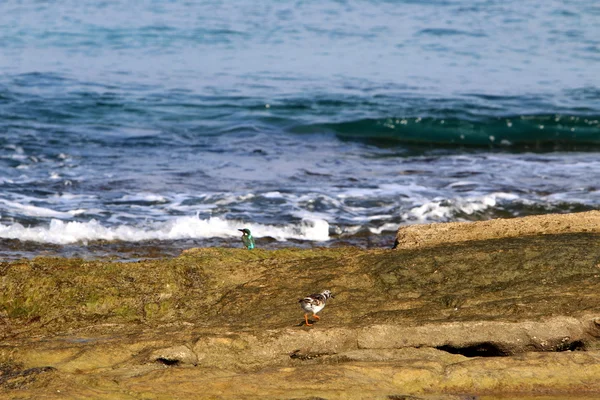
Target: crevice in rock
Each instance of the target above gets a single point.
(168, 361)
(488, 349)
(304, 355)
(484, 349)
(577, 345)
(309, 398)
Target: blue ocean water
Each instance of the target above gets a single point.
(162, 125)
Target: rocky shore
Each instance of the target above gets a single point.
(504, 308)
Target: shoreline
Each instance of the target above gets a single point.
(509, 316)
(13, 249)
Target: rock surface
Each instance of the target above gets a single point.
(414, 236)
(517, 315)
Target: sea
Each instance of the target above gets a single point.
(138, 129)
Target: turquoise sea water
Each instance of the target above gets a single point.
(171, 124)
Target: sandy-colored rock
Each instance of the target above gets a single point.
(181, 354)
(529, 372)
(567, 374)
(481, 317)
(505, 338)
(427, 235)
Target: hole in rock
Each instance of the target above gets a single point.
(577, 345)
(167, 361)
(300, 355)
(409, 397)
(476, 350)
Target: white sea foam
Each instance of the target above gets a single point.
(144, 197)
(462, 184)
(35, 211)
(390, 226)
(273, 195)
(445, 209)
(61, 232)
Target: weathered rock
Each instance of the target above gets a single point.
(13, 376)
(175, 355)
(427, 235)
(493, 316)
(500, 338)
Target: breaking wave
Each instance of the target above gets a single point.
(62, 233)
(489, 131)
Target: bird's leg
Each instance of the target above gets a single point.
(316, 316)
(306, 319)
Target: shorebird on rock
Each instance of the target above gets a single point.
(314, 303)
(247, 238)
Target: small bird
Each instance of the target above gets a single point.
(247, 238)
(314, 303)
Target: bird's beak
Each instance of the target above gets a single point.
(241, 230)
(332, 296)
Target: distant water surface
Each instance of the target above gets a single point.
(142, 128)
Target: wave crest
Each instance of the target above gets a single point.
(510, 131)
(62, 233)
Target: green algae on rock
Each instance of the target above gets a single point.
(478, 317)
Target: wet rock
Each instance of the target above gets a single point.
(14, 376)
